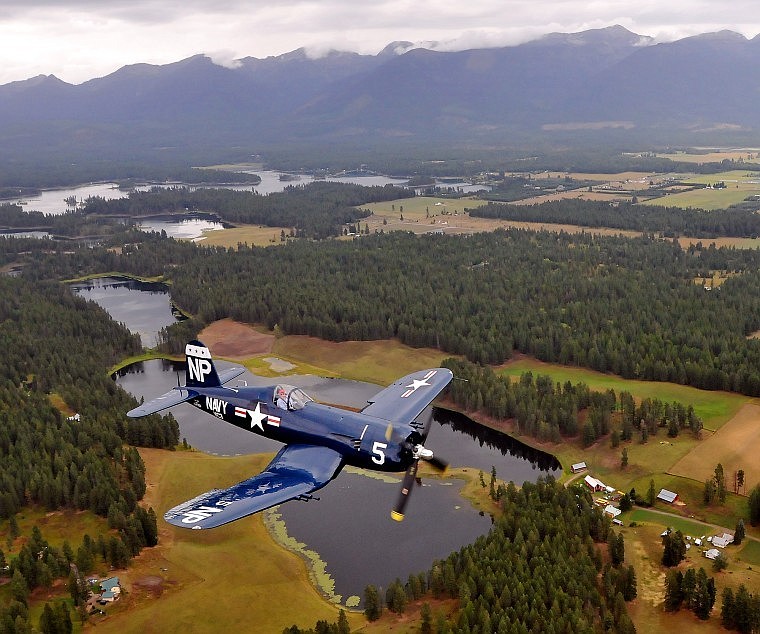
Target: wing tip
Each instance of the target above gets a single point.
(398, 517)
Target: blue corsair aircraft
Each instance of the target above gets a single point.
(387, 435)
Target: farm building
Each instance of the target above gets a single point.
(109, 584)
(712, 553)
(109, 596)
(594, 484)
(578, 467)
(721, 541)
(612, 511)
(667, 496)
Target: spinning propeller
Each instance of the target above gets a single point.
(419, 452)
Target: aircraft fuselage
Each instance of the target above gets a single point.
(363, 441)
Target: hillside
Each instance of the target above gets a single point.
(606, 82)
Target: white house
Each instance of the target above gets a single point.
(712, 553)
(721, 541)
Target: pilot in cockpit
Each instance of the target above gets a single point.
(289, 397)
(281, 397)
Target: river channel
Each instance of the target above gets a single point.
(349, 526)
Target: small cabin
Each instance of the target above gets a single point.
(578, 467)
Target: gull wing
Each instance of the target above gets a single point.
(295, 471)
(404, 400)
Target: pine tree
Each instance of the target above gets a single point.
(426, 618)
(754, 505)
(674, 549)
(372, 607)
(727, 615)
(673, 590)
(343, 625)
(739, 532)
(720, 483)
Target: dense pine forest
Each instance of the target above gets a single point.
(627, 306)
(56, 350)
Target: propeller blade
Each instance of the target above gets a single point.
(438, 463)
(406, 488)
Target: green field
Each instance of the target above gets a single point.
(715, 408)
(740, 184)
(750, 553)
(687, 527)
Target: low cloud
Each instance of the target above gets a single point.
(224, 58)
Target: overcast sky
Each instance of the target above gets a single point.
(77, 40)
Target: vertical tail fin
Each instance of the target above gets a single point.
(200, 371)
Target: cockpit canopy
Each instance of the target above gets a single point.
(290, 397)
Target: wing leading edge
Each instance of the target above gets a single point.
(296, 470)
(404, 400)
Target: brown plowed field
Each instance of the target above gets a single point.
(234, 340)
(736, 445)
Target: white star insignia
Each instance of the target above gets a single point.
(257, 418)
(417, 383)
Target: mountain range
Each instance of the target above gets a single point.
(603, 81)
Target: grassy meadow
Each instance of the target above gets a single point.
(235, 577)
(252, 235)
(740, 184)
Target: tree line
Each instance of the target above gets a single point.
(740, 221)
(549, 410)
(39, 564)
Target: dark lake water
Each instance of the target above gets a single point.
(144, 307)
(350, 526)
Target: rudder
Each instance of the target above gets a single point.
(200, 370)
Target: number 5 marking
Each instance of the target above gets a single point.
(377, 451)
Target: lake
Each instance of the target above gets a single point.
(51, 201)
(350, 525)
(144, 307)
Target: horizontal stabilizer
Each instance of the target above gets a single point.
(228, 375)
(296, 471)
(170, 399)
